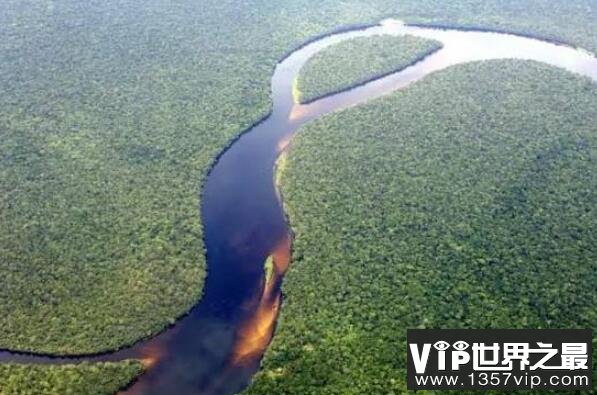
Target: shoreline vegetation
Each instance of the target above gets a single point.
(358, 61)
(459, 214)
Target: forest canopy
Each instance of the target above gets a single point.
(111, 116)
(357, 61)
(82, 379)
(466, 200)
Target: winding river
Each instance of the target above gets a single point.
(218, 346)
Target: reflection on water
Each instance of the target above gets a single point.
(256, 332)
(283, 143)
(217, 347)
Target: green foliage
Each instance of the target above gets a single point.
(359, 60)
(111, 114)
(467, 200)
(268, 269)
(82, 379)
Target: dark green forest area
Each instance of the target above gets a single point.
(82, 379)
(471, 207)
(357, 61)
(112, 113)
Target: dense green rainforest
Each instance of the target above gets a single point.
(356, 61)
(471, 206)
(83, 379)
(111, 114)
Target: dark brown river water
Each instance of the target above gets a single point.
(218, 346)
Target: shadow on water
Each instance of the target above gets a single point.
(217, 347)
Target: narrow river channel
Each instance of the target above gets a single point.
(218, 346)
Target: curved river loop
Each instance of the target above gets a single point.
(218, 345)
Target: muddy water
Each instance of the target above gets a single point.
(217, 347)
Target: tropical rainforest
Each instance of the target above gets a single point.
(85, 378)
(111, 115)
(357, 61)
(471, 207)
